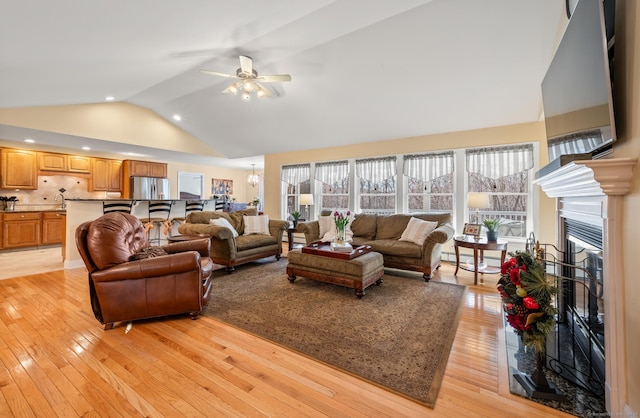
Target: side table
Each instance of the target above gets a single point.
(290, 231)
(479, 246)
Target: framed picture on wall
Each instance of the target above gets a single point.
(221, 186)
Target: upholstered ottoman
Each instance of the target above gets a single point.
(357, 273)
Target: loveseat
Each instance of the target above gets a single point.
(383, 233)
(232, 242)
(129, 280)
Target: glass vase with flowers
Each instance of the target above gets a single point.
(341, 220)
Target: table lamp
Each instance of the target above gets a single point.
(477, 201)
(306, 200)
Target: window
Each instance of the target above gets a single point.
(295, 180)
(332, 185)
(503, 173)
(429, 182)
(377, 180)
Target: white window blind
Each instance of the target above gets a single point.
(332, 172)
(427, 167)
(295, 174)
(497, 162)
(376, 170)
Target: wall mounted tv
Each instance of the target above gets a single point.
(577, 88)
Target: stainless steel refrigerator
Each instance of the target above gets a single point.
(149, 188)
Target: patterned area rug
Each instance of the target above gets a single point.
(397, 336)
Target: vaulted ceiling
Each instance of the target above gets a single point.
(361, 70)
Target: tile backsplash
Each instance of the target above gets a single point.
(49, 187)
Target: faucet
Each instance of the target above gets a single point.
(64, 204)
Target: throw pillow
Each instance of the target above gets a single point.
(256, 225)
(148, 252)
(417, 230)
(225, 223)
(328, 232)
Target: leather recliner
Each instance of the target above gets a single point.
(125, 288)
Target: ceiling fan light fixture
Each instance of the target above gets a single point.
(248, 80)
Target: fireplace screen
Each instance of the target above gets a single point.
(576, 350)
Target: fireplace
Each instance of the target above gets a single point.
(576, 350)
(591, 193)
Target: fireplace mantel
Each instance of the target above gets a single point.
(611, 177)
(580, 187)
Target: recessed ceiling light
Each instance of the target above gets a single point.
(29, 140)
(177, 117)
(86, 148)
(109, 98)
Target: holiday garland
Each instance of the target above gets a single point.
(527, 297)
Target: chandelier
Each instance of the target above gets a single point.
(253, 178)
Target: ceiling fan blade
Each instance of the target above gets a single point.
(219, 74)
(246, 64)
(274, 78)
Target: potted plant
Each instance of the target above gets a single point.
(296, 216)
(492, 229)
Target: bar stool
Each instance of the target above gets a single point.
(117, 206)
(159, 211)
(189, 206)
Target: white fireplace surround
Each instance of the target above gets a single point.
(592, 191)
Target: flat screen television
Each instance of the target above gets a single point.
(577, 88)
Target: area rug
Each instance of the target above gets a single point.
(397, 336)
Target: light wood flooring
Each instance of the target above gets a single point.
(55, 360)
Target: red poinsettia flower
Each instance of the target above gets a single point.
(530, 303)
(508, 265)
(518, 322)
(515, 275)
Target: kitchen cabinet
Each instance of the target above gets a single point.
(142, 169)
(19, 169)
(106, 175)
(78, 164)
(53, 224)
(49, 161)
(21, 229)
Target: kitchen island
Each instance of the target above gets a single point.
(83, 210)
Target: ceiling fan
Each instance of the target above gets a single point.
(249, 80)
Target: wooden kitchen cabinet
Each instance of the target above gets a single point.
(106, 175)
(78, 164)
(53, 224)
(21, 230)
(50, 161)
(142, 169)
(19, 169)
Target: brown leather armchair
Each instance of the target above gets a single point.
(124, 288)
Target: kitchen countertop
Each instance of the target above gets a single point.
(33, 210)
(126, 200)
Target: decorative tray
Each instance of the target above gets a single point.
(324, 249)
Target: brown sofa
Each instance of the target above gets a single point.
(382, 233)
(130, 280)
(230, 251)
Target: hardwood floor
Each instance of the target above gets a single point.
(55, 360)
